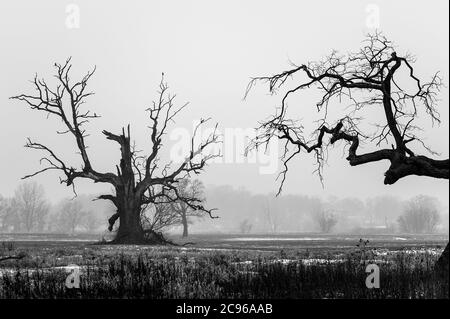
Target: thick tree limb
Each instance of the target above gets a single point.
(50, 101)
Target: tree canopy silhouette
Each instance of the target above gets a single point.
(375, 77)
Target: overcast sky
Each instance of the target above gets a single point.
(208, 50)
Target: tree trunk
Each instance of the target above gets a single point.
(130, 229)
(442, 265)
(128, 199)
(185, 226)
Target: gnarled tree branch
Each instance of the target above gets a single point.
(364, 78)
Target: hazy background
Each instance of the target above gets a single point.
(208, 50)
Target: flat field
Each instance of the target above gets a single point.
(224, 266)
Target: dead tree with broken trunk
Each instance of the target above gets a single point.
(139, 180)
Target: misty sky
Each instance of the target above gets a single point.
(208, 50)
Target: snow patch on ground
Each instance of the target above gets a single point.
(274, 238)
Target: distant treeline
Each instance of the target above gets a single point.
(240, 211)
(29, 211)
(243, 212)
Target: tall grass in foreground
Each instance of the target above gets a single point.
(218, 275)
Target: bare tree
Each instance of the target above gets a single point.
(385, 209)
(31, 206)
(70, 216)
(158, 216)
(326, 221)
(323, 217)
(375, 77)
(8, 215)
(3, 212)
(245, 226)
(137, 177)
(90, 222)
(188, 188)
(271, 217)
(420, 215)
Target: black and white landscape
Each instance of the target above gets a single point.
(224, 150)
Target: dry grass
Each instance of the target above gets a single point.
(163, 272)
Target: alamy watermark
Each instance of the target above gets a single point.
(373, 16)
(232, 148)
(73, 279)
(72, 16)
(373, 279)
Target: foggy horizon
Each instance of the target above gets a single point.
(289, 214)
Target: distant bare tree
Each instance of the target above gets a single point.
(420, 215)
(9, 219)
(272, 218)
(139, 179)
(323, 217)
(326, 220)
(70, 216)
(90, 221)
(383, 208)
(157, 217)
(3, 213)
(31, 206)
(245, 226)
(188, 188)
